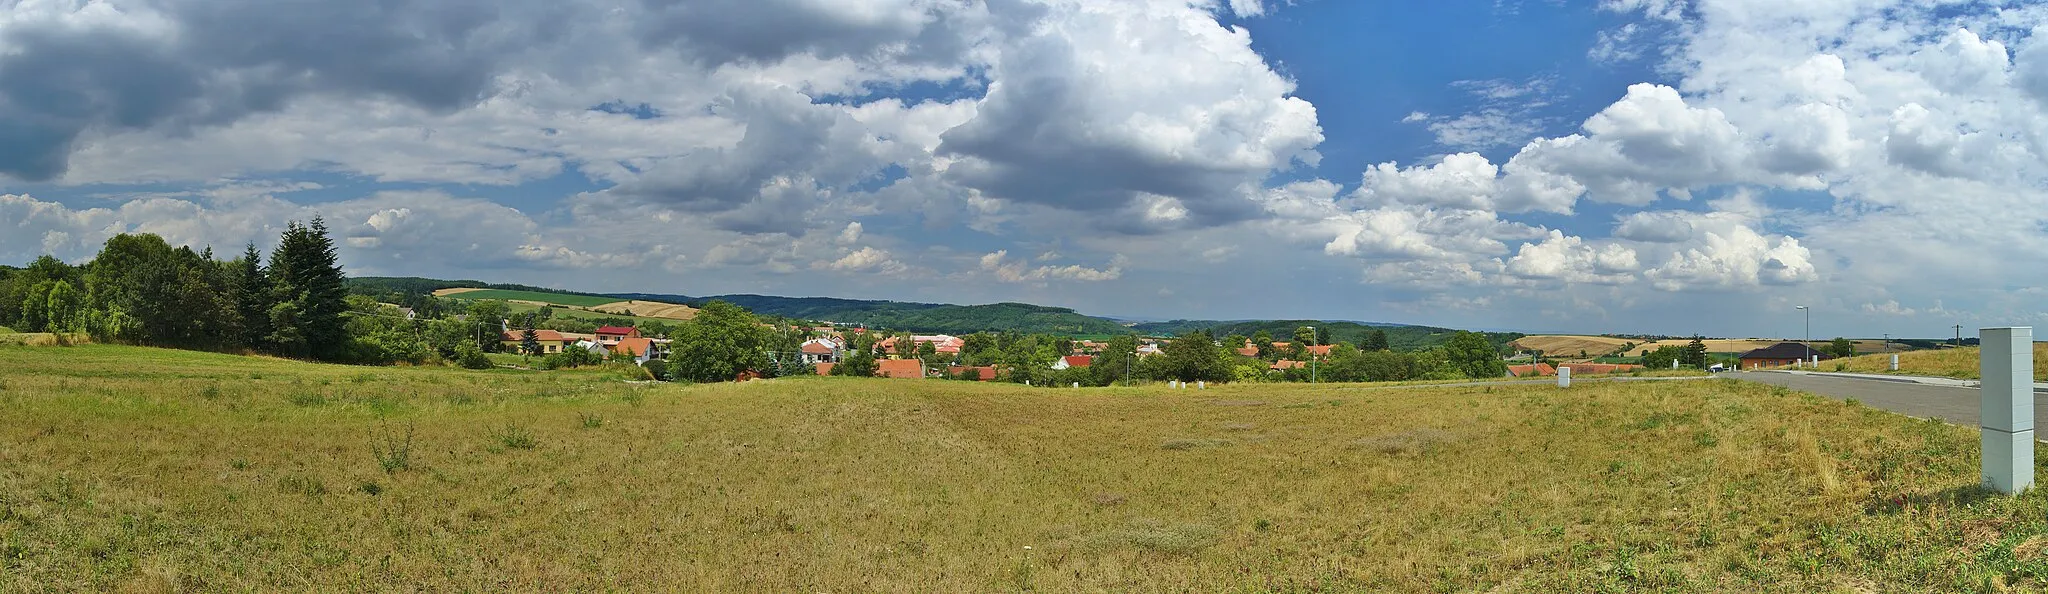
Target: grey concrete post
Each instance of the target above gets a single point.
(1202, 385)
(1816, 361)
(1564, 377)
(1895, 362)
(1674, 364)
(2006, 397)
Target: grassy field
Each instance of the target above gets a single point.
(1957, 363)
(150, 470)
(533, 296)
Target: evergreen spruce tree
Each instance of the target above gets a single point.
(253, 298)
(1376, 341)
(306, 320)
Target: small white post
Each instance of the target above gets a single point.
(2006, 397)
(1202, 385)
(1564, 377)
(1077, 384)
(1895, 362)
(1674, 364)
(1816, 361)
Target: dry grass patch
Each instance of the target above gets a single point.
(147, 469)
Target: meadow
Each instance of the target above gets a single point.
(139, 469)
(1959, 363)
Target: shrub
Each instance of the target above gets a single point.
(470, 357)
(393, 454)
(515, 437)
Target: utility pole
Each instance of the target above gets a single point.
(1959, 336)
(1311, 358)
(1887, 342)
(1808, 343)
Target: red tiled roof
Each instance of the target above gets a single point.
(825, 368)
(1600, 368)
(816, 348)
(618, 331)
(901, 369)
(1079, 361)
(985, 374)
(1321, 350)
(1249, 351)
(1282, 365)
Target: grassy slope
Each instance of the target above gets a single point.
(148, 469)
(6, 330)
(1957, 363)
(557, 298)
(563, 312)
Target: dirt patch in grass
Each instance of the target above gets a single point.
(1410, 442)
(1192, 444)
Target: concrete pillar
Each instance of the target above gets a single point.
(1564, 377)
(2006, 398)
(1816, 361)
(1077, 384)
(1201, 385)
(1674, 364)
(1895, 362)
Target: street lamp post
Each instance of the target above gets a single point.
(1311, 358)
(1808, 343)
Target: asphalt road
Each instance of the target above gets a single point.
(1952, 404)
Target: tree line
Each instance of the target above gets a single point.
(140, 290)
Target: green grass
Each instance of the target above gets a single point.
(1958, 363)
(7, 330)
(141, 469)
(558, 298)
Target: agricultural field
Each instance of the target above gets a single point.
(528, 296)
(1564, 345)
(1959, 363)
(517, 308)
(649, 309)
(140, 469)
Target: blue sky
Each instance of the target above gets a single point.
(1663, 166)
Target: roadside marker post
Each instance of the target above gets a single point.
(2006, 407)
(1564, 377)
(1895, 362)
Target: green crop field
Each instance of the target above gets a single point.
(556, 298)
(135, 469)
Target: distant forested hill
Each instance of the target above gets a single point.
(954, 319)
(1399, 337)
(913, 317)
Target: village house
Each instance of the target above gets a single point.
(1780, 355)
(1284, 365)
(640, 349)
(821, 350)
(550, 341)
(611, 335)
(1072, 361)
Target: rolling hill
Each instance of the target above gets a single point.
(896, 315)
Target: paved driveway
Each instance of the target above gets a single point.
(1949, 403)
